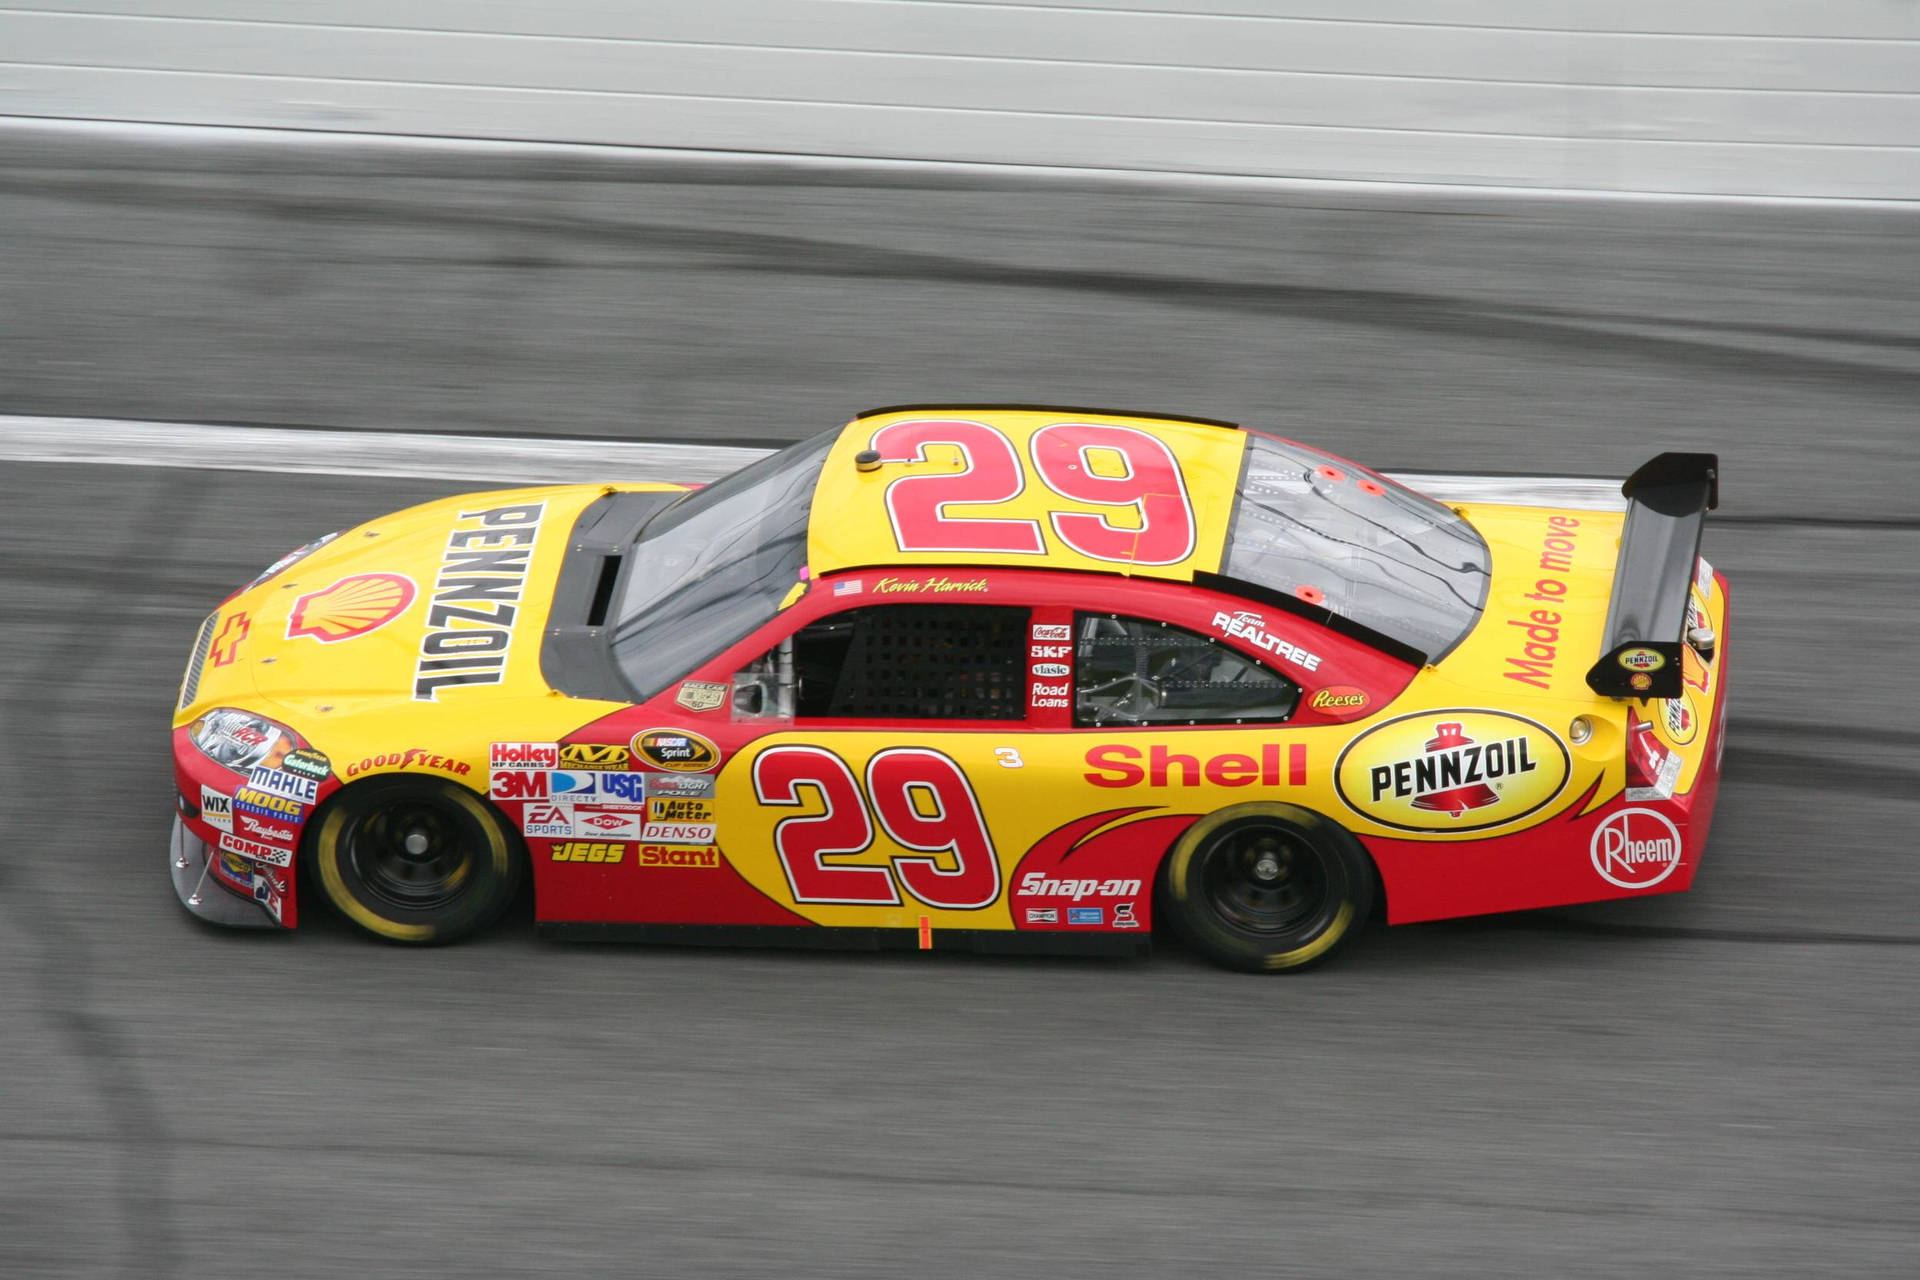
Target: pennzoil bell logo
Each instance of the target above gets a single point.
(351, 607)
(1452, 770)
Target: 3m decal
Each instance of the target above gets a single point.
(231, 844)
(1455, 770)
(351, 607)
(594, 755)
(922, 802)
(308, 763)
(605, 852)
(660, 855)
(701, 695)
(216, 810)
(524, 755)
(226, 643)
(1120, 766)
(411, 758)
(677, 750)
(476, 598)
(519, 784)
(1145, 516)
(1635, 848)
(1248, 625)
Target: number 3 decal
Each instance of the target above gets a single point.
(924, 803)
(1065, 457)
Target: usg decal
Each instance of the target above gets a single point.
(1452, 770)
(676, 749)
(1635, 848)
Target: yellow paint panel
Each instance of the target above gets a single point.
(1027, 489)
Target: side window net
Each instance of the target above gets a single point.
(1134, 671)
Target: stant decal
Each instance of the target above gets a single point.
(351, 607)
(1635, 848)
(676, 749)
(476, 598)
(660, 855)
(1452, 770)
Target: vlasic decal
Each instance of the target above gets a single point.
(677, 750)
(476, 598)
(352, 607)
(1635, 848)
(1454, 770)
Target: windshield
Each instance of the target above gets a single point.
(1319, 528)
(715, 565)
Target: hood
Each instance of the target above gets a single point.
(442, 603)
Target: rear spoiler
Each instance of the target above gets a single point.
(1667, 503)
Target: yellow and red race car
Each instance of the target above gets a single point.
(998, 678)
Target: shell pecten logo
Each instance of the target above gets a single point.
(1452, 770)
(351, 607)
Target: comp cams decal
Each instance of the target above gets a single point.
(476, 598)
(1451, 771)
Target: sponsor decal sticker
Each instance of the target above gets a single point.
(1050, 631)
(253, 849)
(226, 643)
(1161, 766)
(574, 786)
(938, 584)
(1086, 915)
(850, 587)
(594, 755)
(676, 749)
(662, 855)
(1049, 651)
(476, 599)
(1123, 917)
(411, 758)
(1040, 885)
(541, 818)
(264, 829)
(524, 755)
(266, 805)
(667, 784)
(216, 810)
(607, 824)
(605, 852)
(278, 782)
(625, 790)
(701, 695)
(1642, 659)
(1043, 915)
(519, 784)
(1455, 770)
(1683, 721)
(679, 832)
(1635, 848)
(1340, 699)
(233, 868)
(1245, 624)
(1051, 670)
(674, 809)
(308, 763)
(351, 607)
(1640, 680)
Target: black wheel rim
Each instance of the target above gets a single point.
(1267, 879)
(415, 855)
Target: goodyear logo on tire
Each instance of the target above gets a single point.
(1453, 770)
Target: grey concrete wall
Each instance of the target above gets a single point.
(1694, 96)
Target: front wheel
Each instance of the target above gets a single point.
(415, 860)
(1267, 887)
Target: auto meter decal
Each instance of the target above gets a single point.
(351, 607)
(676, 750)
(1452, 770)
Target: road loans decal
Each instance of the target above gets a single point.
(1452, 770)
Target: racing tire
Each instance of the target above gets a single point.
(1267, 888)
(415, 860)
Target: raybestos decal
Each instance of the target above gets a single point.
(1452, 770)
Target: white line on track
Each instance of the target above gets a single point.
(518, 460)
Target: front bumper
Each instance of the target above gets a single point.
(205, 894)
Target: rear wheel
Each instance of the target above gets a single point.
(415, 860)
(1267, 887)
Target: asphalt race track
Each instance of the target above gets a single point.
(1720, 1083)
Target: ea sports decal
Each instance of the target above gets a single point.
(677, 750)
(1452, 770)
(1636, 848)
(351, 607)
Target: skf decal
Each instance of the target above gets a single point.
(676, 749)
(701, 695)
(226, 644)
(476, 597)
(1635, 848)
(353, 606)
(607, 852)
(1456, 770)
(593, 755)
(1119, 766)
(411, 758)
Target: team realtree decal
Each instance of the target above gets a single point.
(476, 598)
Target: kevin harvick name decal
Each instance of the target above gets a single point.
(476, 597)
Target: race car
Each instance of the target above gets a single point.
(998, 678)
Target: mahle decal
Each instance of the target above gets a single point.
(1453, 770)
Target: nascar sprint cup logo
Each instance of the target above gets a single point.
(1456, 770)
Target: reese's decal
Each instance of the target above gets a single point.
(476, 598)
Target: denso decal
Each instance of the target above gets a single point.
(524, 755)
(676, 749)
(606, 852)
(1338, 699)
(216, 810)
(278, 782)
(351, 607)
(411, 758)
(1635, 848)
(1120, 766)
(593, 755)
(1454, 770)
(1247, 625)
(232, 844)
(679, 832)
(660, 855)
(1038, 884)
(476, 598)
